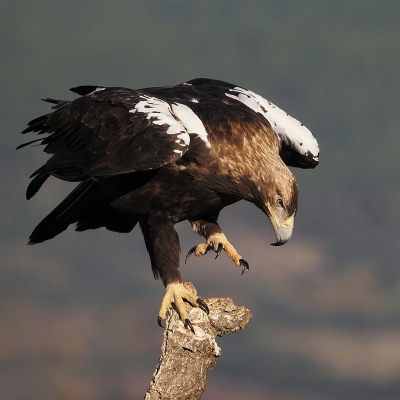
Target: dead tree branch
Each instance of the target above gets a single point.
(186, 358)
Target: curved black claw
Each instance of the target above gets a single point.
(245, 266)
(220, 247)
(188, 324)
(203, 305)
(159, 322)
(191, 251)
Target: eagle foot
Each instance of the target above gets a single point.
(177, 294)
(218, 242)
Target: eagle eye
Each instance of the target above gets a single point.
(280, 202)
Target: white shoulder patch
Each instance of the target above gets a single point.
(191, 122)
(179, 118)
(161, 114)
(291, 131)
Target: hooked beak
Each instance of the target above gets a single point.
(283, 230)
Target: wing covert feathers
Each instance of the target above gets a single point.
(113, 131)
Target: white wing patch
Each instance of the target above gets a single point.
(191, 122)
(291, 131)
(161, 114)
(179, 118)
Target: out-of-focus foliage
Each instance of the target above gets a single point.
(77, 314)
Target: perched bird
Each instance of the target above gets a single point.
(161, 155)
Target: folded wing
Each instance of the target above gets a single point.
(299, 146)
(110, 131)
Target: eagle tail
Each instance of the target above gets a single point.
(70, 210)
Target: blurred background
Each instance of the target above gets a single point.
(78, 313)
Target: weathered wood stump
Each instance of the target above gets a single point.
(187, 357)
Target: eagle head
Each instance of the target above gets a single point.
(280, 204)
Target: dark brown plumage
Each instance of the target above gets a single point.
(158, 156)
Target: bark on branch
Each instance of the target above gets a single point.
(186, 358)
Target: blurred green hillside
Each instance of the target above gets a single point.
(78, 313)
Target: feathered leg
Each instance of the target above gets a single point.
(162, 242)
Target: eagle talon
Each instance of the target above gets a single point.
(245, 266)
(159, 322)
(203, 305)
(219, 249)
(190, 252)
(189, 324)
(176, 297)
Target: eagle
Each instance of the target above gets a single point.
(161, 155)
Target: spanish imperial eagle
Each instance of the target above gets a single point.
(162, 155)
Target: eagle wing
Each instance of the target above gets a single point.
(111, 131)
(299, 148)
